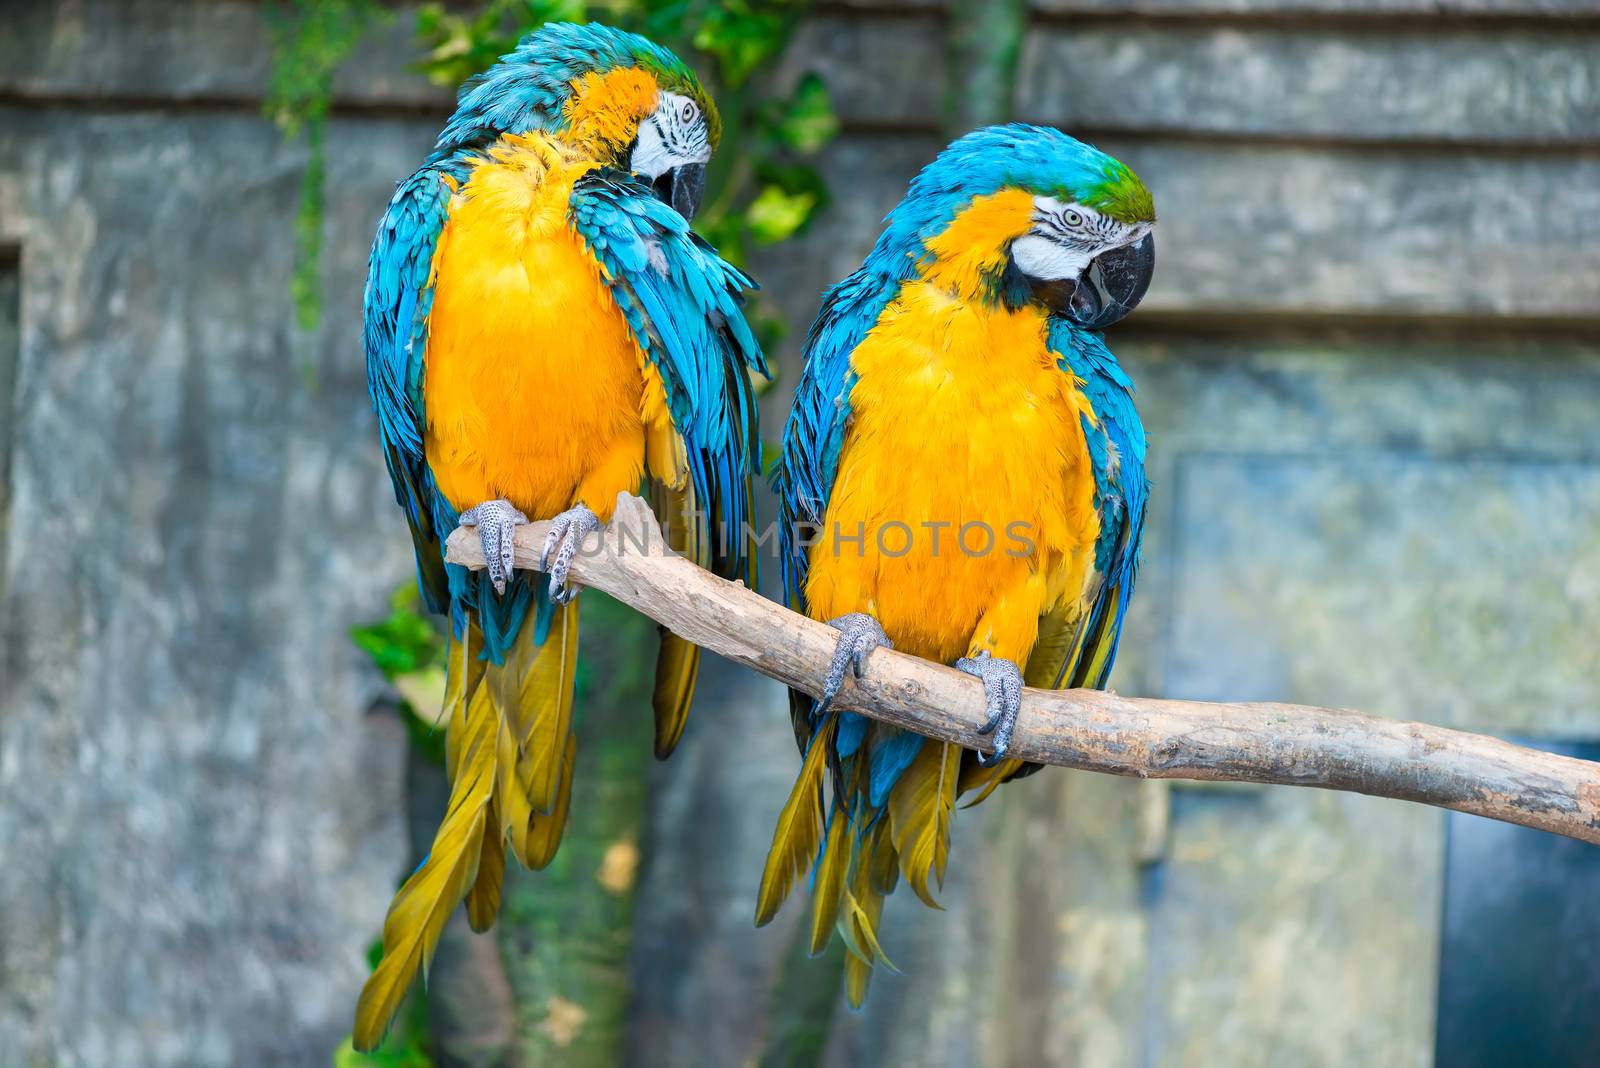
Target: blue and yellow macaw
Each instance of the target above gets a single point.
(544, 331)
(962, 478)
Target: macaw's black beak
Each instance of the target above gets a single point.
(1113, 285)
(681, 188)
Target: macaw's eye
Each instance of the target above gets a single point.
(1073, 218)
(688, 111)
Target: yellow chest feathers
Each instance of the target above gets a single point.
(965, 467)
(535, 390)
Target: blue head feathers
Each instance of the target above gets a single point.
(1038, 160)
(531, 86)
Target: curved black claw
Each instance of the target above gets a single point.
(497, 523)
(567, 532)
(1002, 687)
(859, 634)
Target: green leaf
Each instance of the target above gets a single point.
(725, 232)
(776, 215)
(742, 36)
(809, 121)
(408, 647)
(406, 642)
(461, 45)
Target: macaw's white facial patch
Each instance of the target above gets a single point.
(1066, 237)
(673, 136)
(1048, 260)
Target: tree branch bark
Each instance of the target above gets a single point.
(1091, 730)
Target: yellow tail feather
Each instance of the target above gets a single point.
(509, 750)
(678, 662)
(513, 809)
(883, 863)
(420, 910)
(830, 876)
(859, 927)
(919, 815)
(544, 831)
(857, 974)
(463, 674)
(864, 903)
(527, 768)
(677, 666)
(1058, 647)
(533, 692)
(799, 830)
(483, 900)
(1099, 664)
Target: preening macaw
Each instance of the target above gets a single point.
(543, 331)
(962, 477)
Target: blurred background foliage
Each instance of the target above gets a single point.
(310, 39)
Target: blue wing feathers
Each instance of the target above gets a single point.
(396, 303)
(891, 756)
(1117, 446)
(847, 739)
(683, 303)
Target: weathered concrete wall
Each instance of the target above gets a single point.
(1368, 365)
(200, 826)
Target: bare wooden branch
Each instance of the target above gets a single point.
(1291, 745)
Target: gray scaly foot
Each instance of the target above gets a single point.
(859, 634)
(567, 532)
(1002, 689)
(497, 523)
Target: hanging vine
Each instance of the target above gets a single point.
(310, 39)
